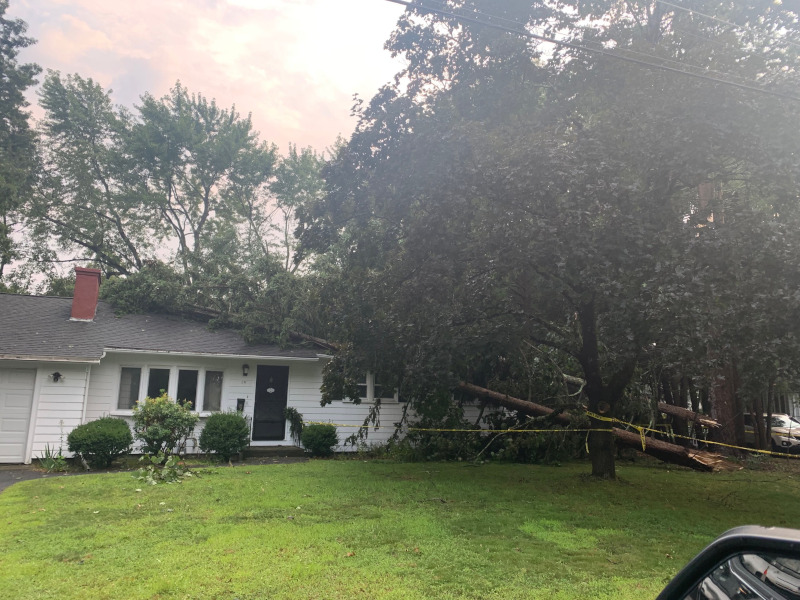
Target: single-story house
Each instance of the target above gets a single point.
(67, 361)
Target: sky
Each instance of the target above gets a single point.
(293, 64)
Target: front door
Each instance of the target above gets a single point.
(272, 385)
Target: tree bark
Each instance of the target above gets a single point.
(700, 461)
(726, 408)
(685, 413)
(601, 399)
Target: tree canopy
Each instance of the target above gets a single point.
(501, 195)
(18, 159)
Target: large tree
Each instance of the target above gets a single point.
(497, 197)
(177, 180)
(18, 165)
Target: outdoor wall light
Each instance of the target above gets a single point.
(56, 377)
(245, 370)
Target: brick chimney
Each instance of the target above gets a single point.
(87, 290)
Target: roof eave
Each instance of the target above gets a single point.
(215, 354)
(38, 358)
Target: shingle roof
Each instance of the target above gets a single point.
(39, 327)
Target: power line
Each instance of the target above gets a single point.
(728, 23)
(529, 34)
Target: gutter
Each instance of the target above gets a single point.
(66, 359)
(217, 355)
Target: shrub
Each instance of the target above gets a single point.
(100, 442)
(162, 469)
(319, 440)
(225, 434)
(162, 425)
(295, 423)
(52, 461)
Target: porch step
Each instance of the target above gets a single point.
(267, 451)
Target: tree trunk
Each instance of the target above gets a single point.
(700, 461)
(726, 408)
(602, 451)
(687, 415)
(678, 424)
(600, 398)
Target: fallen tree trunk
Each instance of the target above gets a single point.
(669, 409)
(672, 453)
(685, 413)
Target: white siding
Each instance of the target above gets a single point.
(304, 383)
(304, 395)
(60, 406)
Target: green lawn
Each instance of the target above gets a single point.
(344, 529)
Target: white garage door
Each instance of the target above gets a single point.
(16, 398)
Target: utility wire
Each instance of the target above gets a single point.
(683, 65)
(525, 33)
(728, 23)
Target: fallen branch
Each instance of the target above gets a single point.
(689, 415)
(672, 453)
(669, 409)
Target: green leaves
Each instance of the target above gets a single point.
(162, 425)
(494, 199)
(18, 157)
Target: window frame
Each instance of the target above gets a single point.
(138, 397)
(368, 381)
(172, 389)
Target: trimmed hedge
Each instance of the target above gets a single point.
(100, 442)
(319, 440)
(225, 434)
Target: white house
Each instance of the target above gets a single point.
(66, 361)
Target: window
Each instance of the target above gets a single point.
(380, 391)
(158, 382)
(201, 389)
(369, 389)
(129, 387)
(212, 393)
(187, 388)
(363, 387)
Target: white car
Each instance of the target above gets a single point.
(785, 432)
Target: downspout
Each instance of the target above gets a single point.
(86, 392)
(86, 388)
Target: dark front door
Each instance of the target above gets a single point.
(272, 384)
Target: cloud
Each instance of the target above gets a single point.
(293, 64)
(71, 39)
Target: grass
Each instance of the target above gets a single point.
(345, 529)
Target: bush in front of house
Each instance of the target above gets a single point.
(100, 442)
(225, 434)
(319, 440)
(162, 425)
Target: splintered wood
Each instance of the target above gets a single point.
(671, 453)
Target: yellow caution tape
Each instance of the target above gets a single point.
(642, 429)
(435, 430)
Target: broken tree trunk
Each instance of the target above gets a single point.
(685, 413)
(669, 409)
(672, 453)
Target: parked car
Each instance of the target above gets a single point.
(785, 432)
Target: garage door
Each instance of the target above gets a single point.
(16, 399)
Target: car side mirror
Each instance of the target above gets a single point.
(745, 563)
